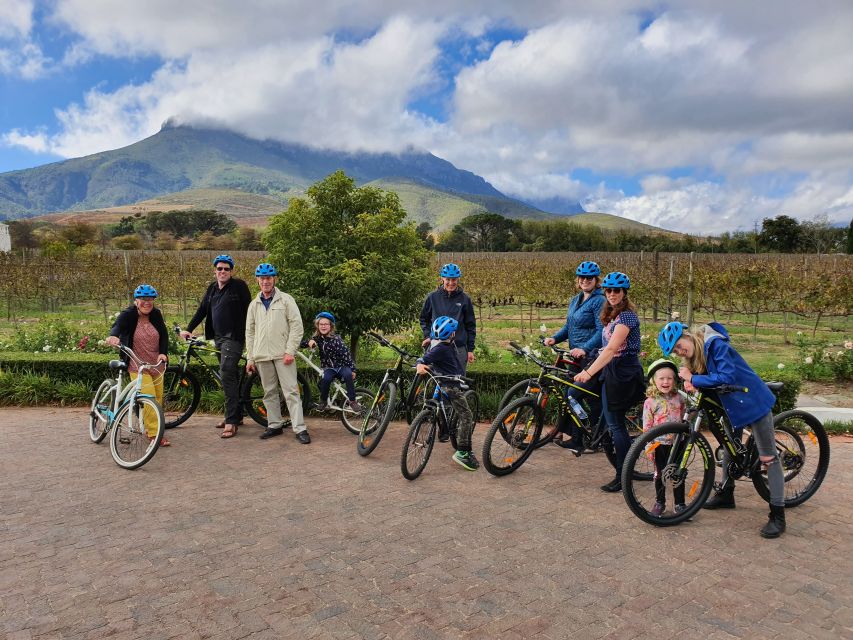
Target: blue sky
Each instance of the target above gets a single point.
(697, 116)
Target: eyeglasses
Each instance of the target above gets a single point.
(223, 268)
(324, 324)
(613, 290)
(586, 277)
(148, 300)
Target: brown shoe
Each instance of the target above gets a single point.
(221, 425)
(228, 431)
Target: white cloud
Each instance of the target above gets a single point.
(16, 18)
(35, 142)
(753, 95)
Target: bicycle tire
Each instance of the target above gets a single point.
(422, 390)
(377, 419)
(531, 386)
(252, 396)
(349, 418)
(641, 496)
(635, 429)
(181, 395)
(130, 445)
(507, 443)
(418, 445)
(804, 457)
(101, 410)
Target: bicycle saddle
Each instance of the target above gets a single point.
(775, 387)
(118, 365)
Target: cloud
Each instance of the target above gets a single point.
(16, 18)
(755, 96)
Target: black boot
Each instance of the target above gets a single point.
(722, 499)
(775, 526)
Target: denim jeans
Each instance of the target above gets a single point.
(615, 421)
(342, 373)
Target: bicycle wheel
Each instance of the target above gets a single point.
(181, 395)
(379, 414)
(519, 389)
(130, 444)
(101, 411)
(803, 448)
(419, 443)
(253, 398)
(691, 483)
(423, 388)
(531, 386)
(352, 420)
(507, 442)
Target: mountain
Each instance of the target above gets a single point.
(556, 204)
(180, 158)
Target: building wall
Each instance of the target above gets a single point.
(5, 239)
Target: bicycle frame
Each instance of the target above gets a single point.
(407, 392)
(127, 394)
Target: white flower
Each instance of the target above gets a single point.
(780, 366)
(543, 328)
(59, 351)
(676, 315)
(799, 333)
(848, 344)
(808, 360)
(46, 347)
(537, 354)
(526, 349)
(840, 353)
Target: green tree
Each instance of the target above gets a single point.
(424, 231)
(850, 238)
(124, 227)
(781, 233)
(248, 239)
(486, 231)
(21, 234)
(349, 251)
(79, 233)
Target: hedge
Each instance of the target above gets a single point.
(491, 379)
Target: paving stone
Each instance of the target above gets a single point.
(267, 539)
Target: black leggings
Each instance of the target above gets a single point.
(661, 455)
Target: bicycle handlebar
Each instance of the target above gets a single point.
(385, 343)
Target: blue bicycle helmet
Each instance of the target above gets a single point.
(224, 258)
(266, 269)
(450, 270)
(144, 291)
(616, 280)
(588, 269)
(669, 335)
(443, 327)
(327, 315)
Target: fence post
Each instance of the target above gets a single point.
(669, 287)
(656, 300)
(690, 291)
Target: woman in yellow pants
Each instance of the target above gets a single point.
(142, 328)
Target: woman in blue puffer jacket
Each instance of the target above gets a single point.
(583, 331)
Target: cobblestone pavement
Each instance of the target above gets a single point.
(245, 538)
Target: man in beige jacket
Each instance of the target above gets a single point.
(273, 332)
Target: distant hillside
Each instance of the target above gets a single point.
(180, 158)
(616, 223)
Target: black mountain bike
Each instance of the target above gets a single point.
(517, 428)
(398, 393)
(437, 420)
(532, 386)
(182, 389)
(801, 443)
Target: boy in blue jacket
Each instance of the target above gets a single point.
(442, 360)
(709, 360)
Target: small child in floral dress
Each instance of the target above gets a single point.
(663, 404)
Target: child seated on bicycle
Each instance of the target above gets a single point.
(335, 359)
(709, 360)
(442, 360)
(663, 404)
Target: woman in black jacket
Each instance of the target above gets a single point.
(141, 327)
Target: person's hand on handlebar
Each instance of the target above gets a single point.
(426, 342)
(185, 335)
(548, 342)
(422, 368)
(577, 353)
(685, 374)
(113, 341)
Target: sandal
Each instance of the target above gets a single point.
(230, 430)
(221, 425)
(164, 442)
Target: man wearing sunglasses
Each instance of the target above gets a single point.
(223, 309)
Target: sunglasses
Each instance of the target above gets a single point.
(613, 290)
(223, 268)
(586, 277)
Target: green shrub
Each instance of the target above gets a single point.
(824, 360)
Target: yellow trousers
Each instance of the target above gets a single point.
(152, 385)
